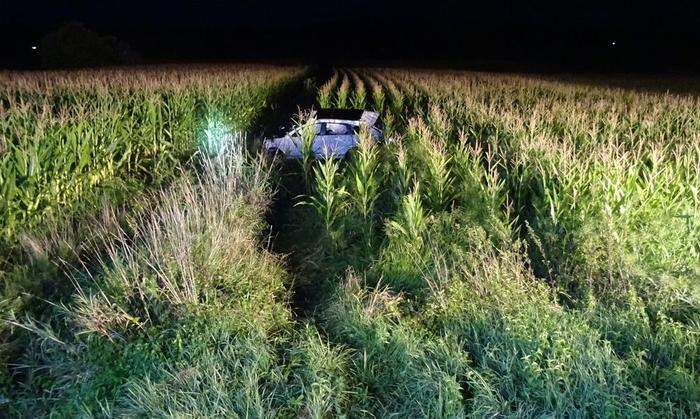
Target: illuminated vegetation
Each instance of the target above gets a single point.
(520, 247)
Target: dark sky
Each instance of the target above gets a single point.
(576, 35)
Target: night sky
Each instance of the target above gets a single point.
(664, 36)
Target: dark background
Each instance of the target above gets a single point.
(542, 36)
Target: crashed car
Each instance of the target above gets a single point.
(337, 132)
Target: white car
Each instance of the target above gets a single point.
(336, 133)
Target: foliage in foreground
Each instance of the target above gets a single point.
(73, 144)
(186, 314)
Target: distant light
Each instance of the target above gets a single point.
(613, 43)
(34, 47)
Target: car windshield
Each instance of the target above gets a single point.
(333, 128)
(317, 129)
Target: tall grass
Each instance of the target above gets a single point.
(187, 315)
(186, 259)
(92, 144)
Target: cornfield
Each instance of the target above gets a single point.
(517, 246)
(67, 134)
(499, 189)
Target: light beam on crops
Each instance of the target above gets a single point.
(218, 137)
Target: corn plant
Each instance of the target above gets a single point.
(341, 100)
(390, 129)
(365, 181)
(359, 95)
(401, 173)
(305, 124)
(396, 95)
(329, 198)
(378, 95)
(437, 174)
(409, 222)
(325, 93)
